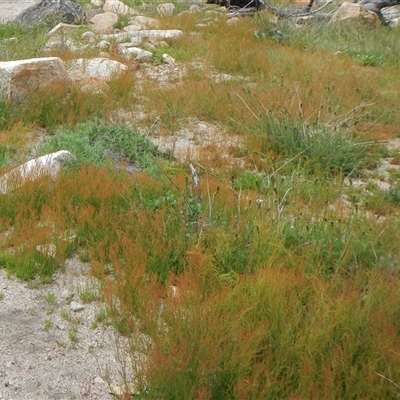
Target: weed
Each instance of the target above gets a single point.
(47, 325)
(73, 334)
(1, 296)
(66, 315)
(50, 297)
(88, 295)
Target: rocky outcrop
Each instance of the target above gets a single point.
(54, 11)
(356, 13)
(49, 165)
(22, 77)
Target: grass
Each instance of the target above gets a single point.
(273, 278)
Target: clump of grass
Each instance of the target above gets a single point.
(319, 147)
(96, 142)
(47, 325)
(50, 298)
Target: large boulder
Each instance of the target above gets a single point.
(98, 68)
(356, 13)
(20, 78)
(119, 8)
(104, 22)
(54, 11)
(47, 165)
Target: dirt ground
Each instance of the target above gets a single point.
(49, 351)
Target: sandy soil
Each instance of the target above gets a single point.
(48, 351)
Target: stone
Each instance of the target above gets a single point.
(52, 10)
(133, 27)
(145, 22)
(195, 8)
(394, 23)
(96, 3)
(20, 78)
(156, 34)
(104, 22)
(166, 9)
(167, 59)
(103, 45)
(62, 28)
(75, 306)
(137, 53)
(47, 165)
(100, 68)
(391, 13)
(118, 7)
(356, 13)
(89, 36)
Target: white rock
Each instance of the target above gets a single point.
(166, 9)
(21, 77)
(96, 3)
(101, 68)
(158, 34)
(167, 59)
(137, 53)
(49, 164)
(75, 306)
(118, 7)
(133, 27)
(62, 28)
(103, 45)
(89, 36)
(145, 22)
(194, 8)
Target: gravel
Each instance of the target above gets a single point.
(49, 350)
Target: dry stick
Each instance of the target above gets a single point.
(195, 177)
(389, 380)
(238, 95)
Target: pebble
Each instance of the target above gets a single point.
(75, 306)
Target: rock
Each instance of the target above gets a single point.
(52, 10)
(118, 7)
(103, 45)
(195, 8)
(167, 59)
(145, 22)
(49, 164)
(61, 29)
(89, 36)
(355, 12)
(137, 53)
(100, 68)
(394, 23)
(96, 3)
(75, 306)
(104, 22)
(22, 77)
(116, 37)
(133, 27)
(166, 9)
(157, 34)
(391, 13)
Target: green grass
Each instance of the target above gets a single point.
(273, 278)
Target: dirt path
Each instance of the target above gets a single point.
(48, 351)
